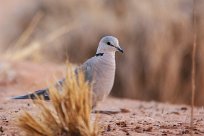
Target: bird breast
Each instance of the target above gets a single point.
(104, 75)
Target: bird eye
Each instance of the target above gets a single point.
(108, 43)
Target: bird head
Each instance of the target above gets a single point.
(109, 44)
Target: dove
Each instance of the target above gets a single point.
(99, 69)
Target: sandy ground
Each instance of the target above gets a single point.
(128, 117)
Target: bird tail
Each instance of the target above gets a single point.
(44, 93)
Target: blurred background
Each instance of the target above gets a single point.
(157, 38)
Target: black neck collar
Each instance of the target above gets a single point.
(99, 54)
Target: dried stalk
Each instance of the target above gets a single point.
(193, 72)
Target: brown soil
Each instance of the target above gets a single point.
(117, 116)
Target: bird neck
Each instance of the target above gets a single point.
(101, 53)
(107, 57)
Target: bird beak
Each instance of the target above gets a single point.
(120, 49)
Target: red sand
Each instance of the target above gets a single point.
(135, 118)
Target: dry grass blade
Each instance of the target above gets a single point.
(193, 72)
(68, 114)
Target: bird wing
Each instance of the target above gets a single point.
(87, 68)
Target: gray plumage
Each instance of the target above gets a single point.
(100, 70)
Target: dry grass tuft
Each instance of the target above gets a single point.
(68, 114)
